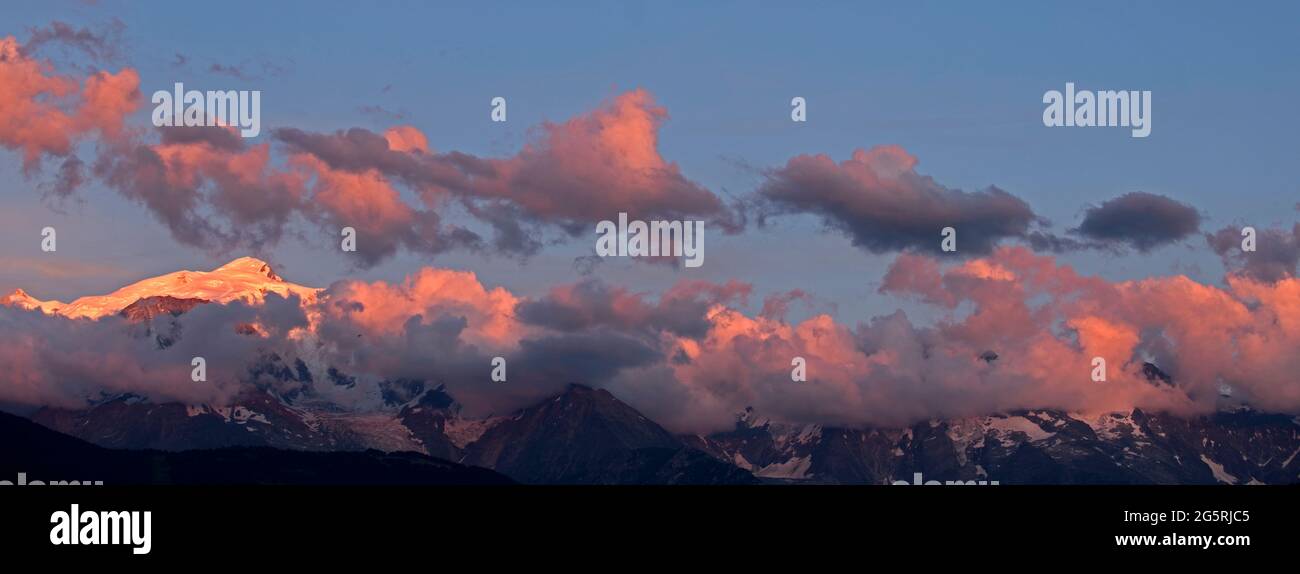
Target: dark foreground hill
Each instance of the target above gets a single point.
(41, 454)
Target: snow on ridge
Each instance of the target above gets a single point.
(19, 298)
(790, 435)
(1109, 426)
(1220, 474)
(796, 468)
(462, 432)
(740, 461)
(246, 279)
(1007, 426)
(380, 431)
(964, 433)
(1288, 460)
(237, 414)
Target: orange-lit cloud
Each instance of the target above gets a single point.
(570, 176)
(406, 139)
(214, 191)
(45, 114)
(595, 165)
(381, 309)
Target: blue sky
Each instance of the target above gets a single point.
(959, 85)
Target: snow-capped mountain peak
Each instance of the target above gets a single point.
(246, 279)
(249, 265)
(22, 300)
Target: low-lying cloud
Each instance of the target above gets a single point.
(691, 358)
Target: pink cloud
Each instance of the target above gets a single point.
(44, 114)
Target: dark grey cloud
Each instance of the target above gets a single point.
(218, 137)
(209, 202)
(359, 150)
(1140, 220)
(591, 304)
(878, 199)
(588, 358)
(1276, 255)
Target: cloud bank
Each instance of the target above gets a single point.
(691, 358)
(217, 192)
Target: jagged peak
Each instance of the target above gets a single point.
(21, 299)
(749, 418)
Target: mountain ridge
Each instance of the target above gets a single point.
(587, 435)
(246, 279)
(38, 453)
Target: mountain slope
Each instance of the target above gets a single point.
(42, 454)
(255, 419)
(429, 419)
(1029, 447)
(587, 436)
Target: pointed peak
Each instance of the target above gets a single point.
(250, 265)
(580, 393)
(19, 298)
(749, 418)
(22, 299)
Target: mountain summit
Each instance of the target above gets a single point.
(249, 265)
(19, 298)
(245, 279)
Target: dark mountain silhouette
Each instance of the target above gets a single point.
(1025, 447)
(586, 436)
(131, 422)
(45, 455)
